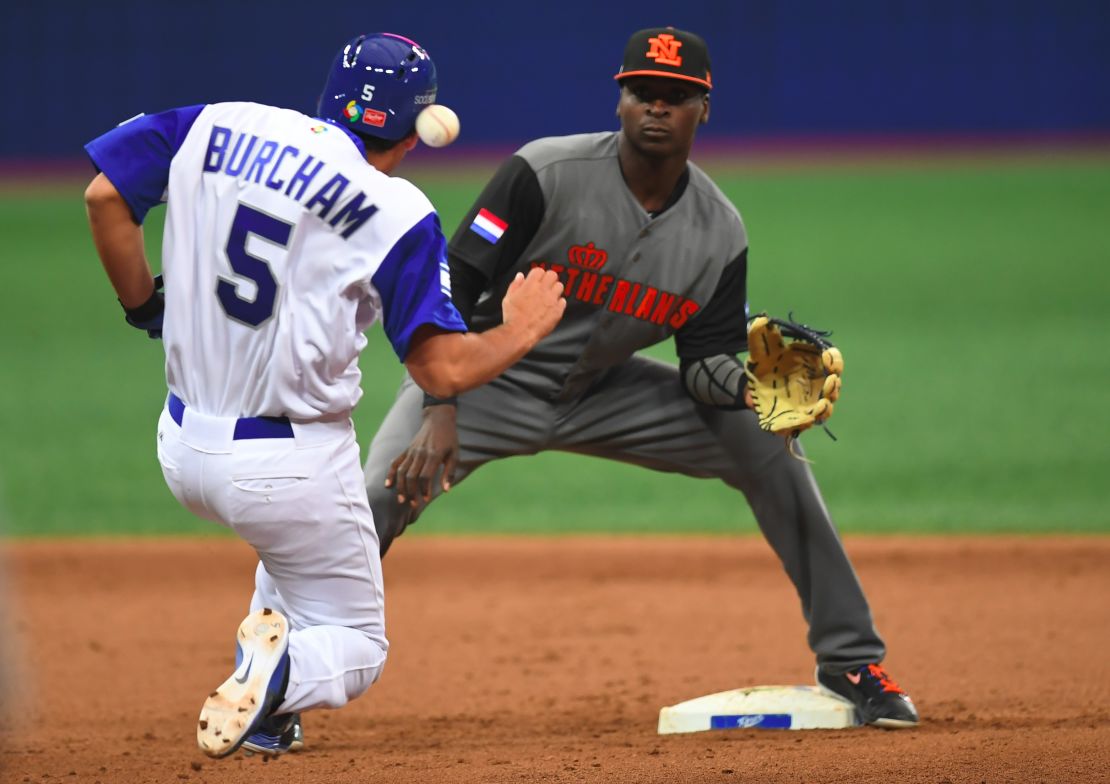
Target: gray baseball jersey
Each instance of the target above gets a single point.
(632, 279)
(625, 286)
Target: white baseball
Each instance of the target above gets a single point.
(437, 125)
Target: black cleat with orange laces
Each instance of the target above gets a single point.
(878, 699)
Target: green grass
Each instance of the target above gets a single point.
(970, 303)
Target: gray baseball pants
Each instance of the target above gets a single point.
(638, 413)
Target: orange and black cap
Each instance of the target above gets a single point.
(665, 51)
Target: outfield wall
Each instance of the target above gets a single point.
(72, 69)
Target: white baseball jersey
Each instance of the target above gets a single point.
(281, 246)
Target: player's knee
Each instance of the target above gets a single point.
(383, 502)
(357, 682)
(377, 493)
(373, 473)
(390, 516)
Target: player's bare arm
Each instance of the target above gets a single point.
(445, 364)
(119, 242)
(514, 198)
(530, 309)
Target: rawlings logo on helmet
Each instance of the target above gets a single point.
(374, 117)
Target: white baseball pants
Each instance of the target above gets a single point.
(300, 502)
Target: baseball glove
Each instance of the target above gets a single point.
(795, 384)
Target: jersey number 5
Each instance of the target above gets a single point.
(250, 221)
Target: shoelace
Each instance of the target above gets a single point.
(888, 684)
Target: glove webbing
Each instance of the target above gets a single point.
(798, 331)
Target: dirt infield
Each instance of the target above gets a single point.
(519, 660)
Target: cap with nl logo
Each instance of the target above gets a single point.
(665, 51)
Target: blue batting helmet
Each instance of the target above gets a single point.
(378, 84)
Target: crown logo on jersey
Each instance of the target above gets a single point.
(664, 50)
(587, 256)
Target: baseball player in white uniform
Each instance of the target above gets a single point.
(281, 247)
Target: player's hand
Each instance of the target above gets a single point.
(435, 445)
(534, 303)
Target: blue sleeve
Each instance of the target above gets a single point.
(414, 283)
(136, 155)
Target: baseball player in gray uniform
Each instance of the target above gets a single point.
(647, 247)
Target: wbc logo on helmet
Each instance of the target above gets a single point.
(587, 256)
(352, 112)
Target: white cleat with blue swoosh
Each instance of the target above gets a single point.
(242, 702)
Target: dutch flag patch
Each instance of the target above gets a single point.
(488, 226)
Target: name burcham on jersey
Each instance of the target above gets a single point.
(266, 162)
(582, 282)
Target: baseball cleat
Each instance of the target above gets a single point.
(879, 701)
(240, 704)
(276, 735)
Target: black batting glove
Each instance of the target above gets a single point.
(149, 315)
